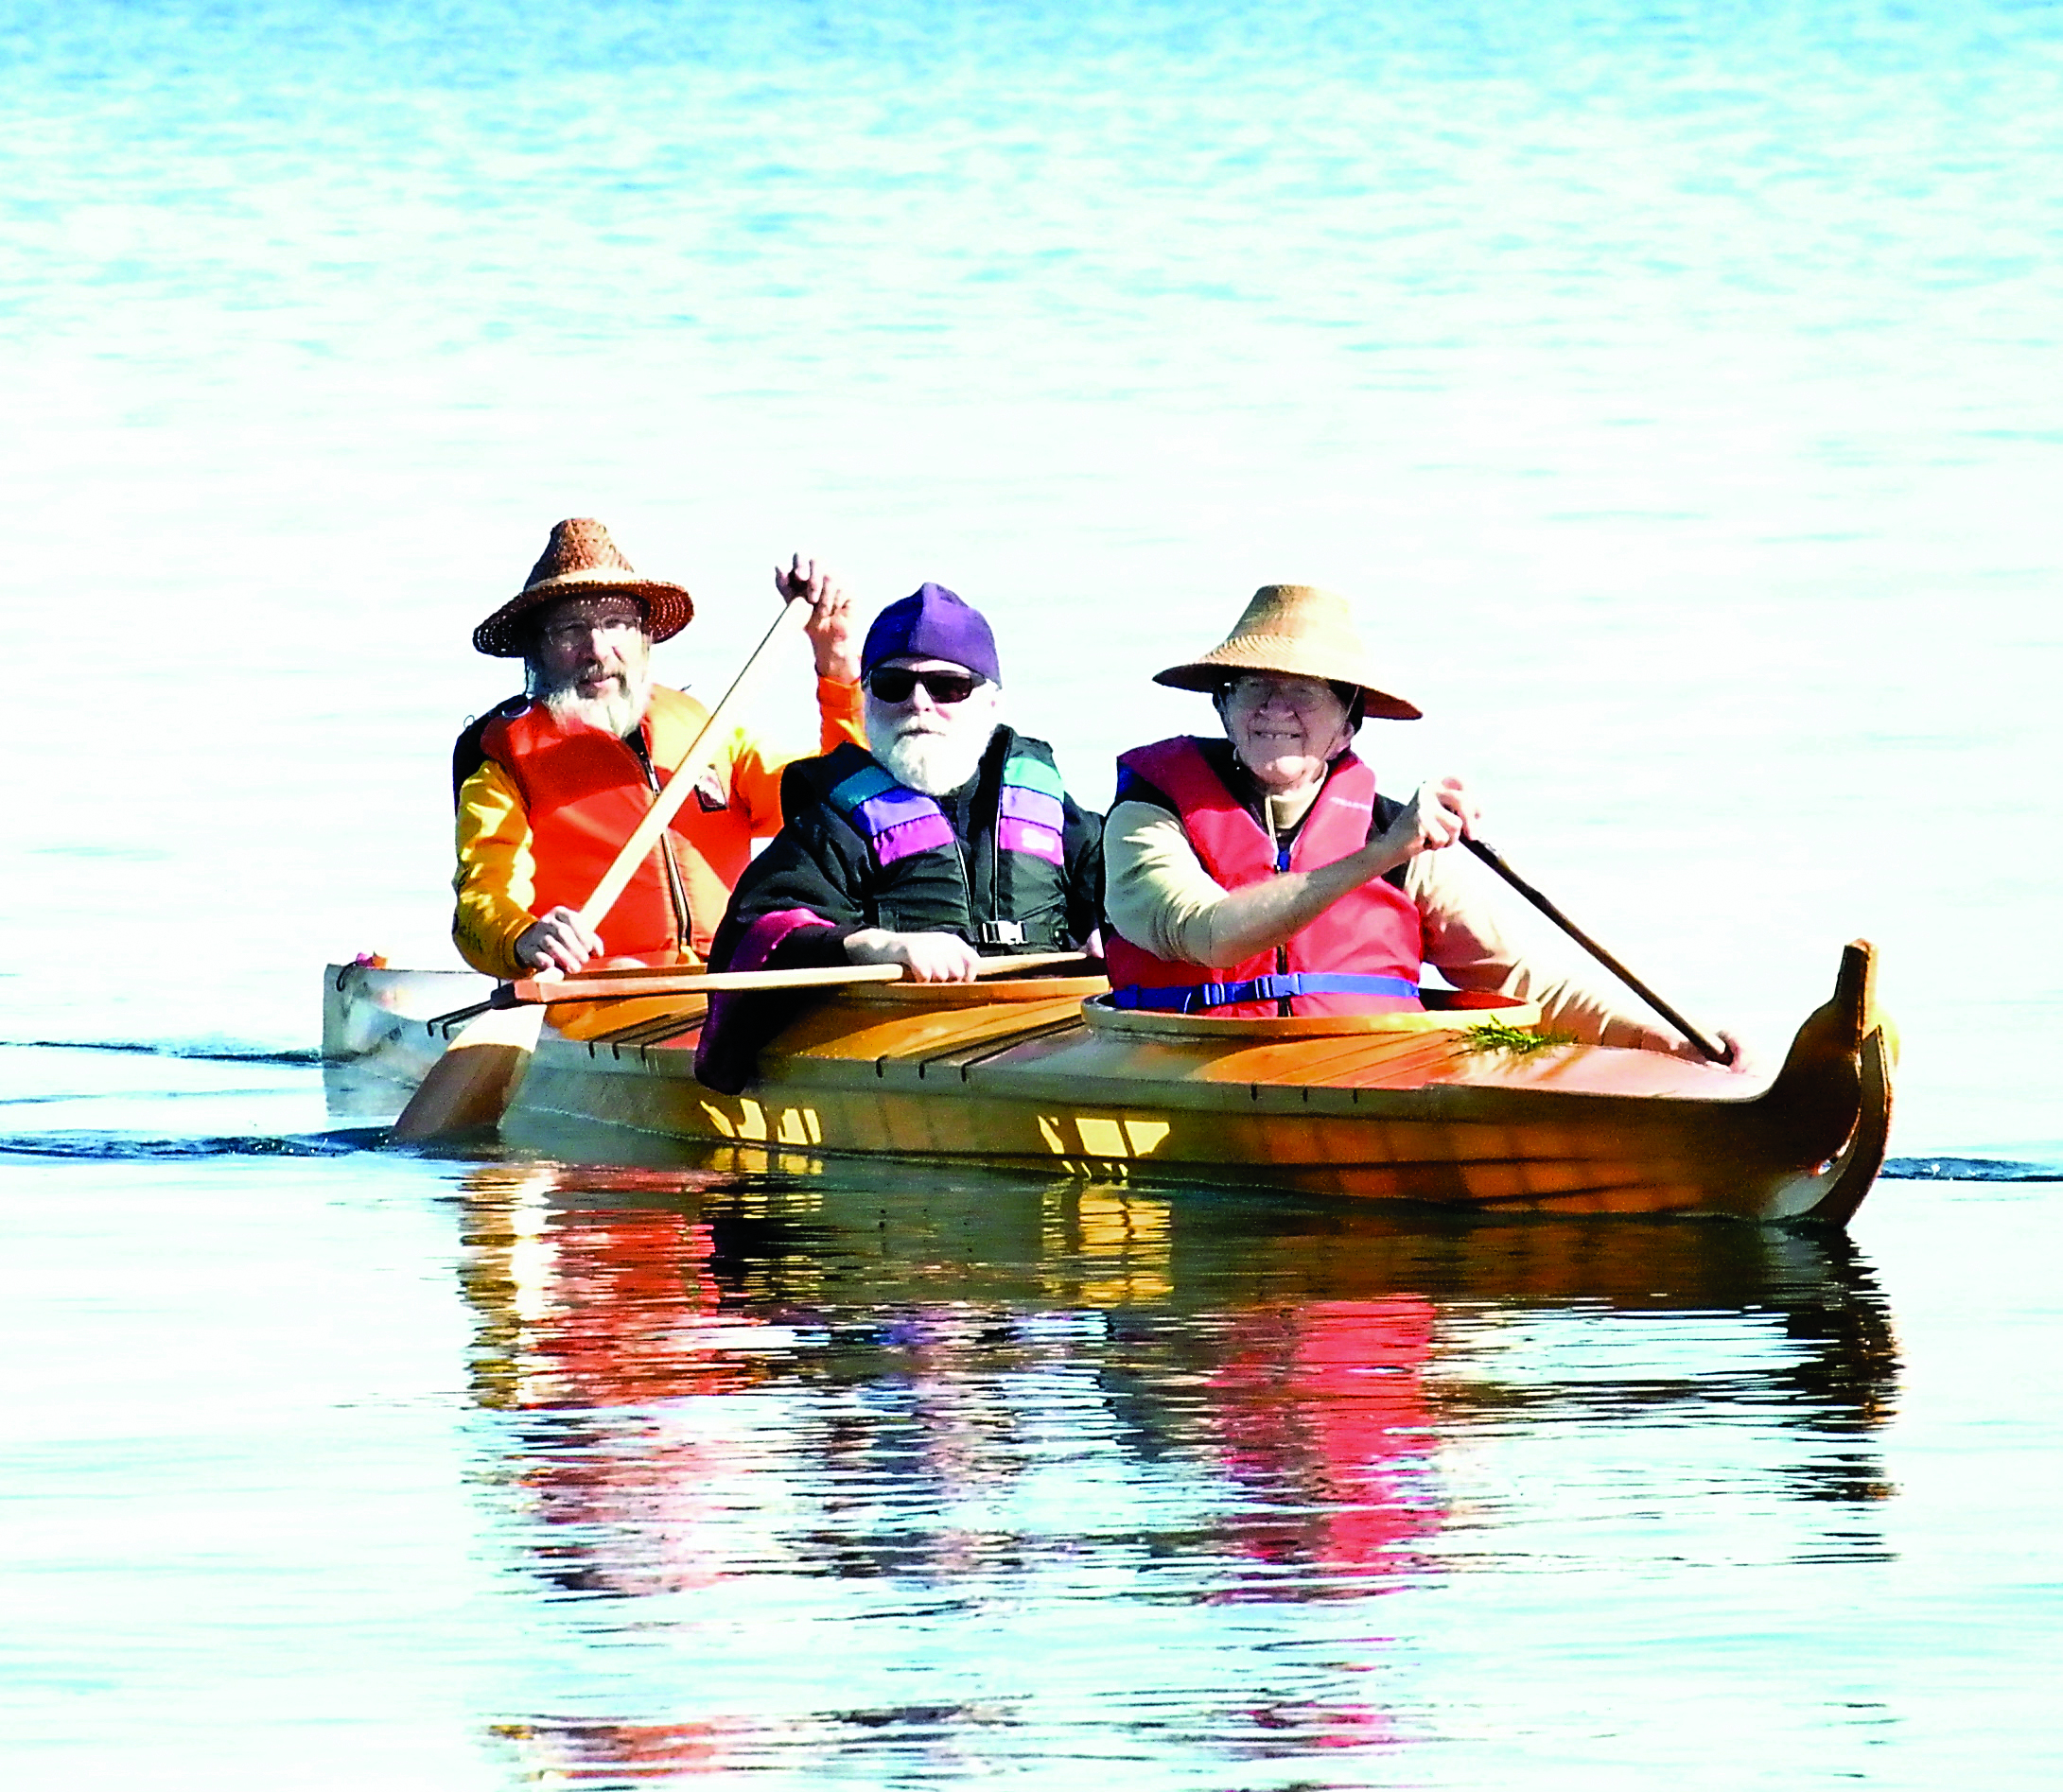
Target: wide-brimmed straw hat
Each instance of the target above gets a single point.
(1300, 631)
(580, 561)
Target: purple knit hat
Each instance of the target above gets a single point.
(932, 623)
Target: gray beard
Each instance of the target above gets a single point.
(931, 764)
(617, 713)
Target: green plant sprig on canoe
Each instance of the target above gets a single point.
(1495, 1036)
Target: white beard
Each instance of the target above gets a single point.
(618, 713)
(932, 762)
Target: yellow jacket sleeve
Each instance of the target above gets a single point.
(497, 875)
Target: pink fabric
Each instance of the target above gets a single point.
(926, 833)
(757, 945)
(1014, 834)
(767, 932)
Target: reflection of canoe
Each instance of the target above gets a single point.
(893, 1370)
(692, 1268)
(885, 1234)
(1023, 1074)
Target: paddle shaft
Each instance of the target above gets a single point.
(468, 1086)
(623, 984)
(679, 783)
(1491, 857)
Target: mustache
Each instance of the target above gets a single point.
(567, 683)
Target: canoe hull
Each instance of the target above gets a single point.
(1015, 1079)
(1583, 1160)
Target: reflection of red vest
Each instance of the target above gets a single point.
(585, 793)
(1321, 1410)
(1361, 956)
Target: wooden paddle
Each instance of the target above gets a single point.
(678, 787)
(468, 1087)
(499, 1040)
(1491, 857)
(620, 985)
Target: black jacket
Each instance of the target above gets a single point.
(820, 861)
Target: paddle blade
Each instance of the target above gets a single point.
(470, 1087)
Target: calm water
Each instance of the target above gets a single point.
(1676, 392)
(336, 1467)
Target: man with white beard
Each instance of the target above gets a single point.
(550, 785)
(950, 838)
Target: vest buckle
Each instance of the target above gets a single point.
(999, 933)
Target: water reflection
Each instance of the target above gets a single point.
(925, 1394)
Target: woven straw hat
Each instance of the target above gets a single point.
(1298, 630)
(580, 561)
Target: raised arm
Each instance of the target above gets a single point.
(832, 627)
(754, 764)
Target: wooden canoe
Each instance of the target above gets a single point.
(1036, 1074)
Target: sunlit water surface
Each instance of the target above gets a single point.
(1674, 389)
(330, 1465)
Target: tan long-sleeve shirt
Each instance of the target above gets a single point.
(1477, 934)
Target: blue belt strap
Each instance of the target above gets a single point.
(1187, 999)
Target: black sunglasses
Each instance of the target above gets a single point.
(894, 684)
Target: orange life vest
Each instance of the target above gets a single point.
(585, 792)
(1363, 955)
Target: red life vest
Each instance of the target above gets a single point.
(585, 793)
(1362, 956)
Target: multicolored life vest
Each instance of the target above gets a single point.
(1362, 956)
(1005, 890)
(584, 793)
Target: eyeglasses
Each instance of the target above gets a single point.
(894, 684)
(1256, 689)
(577, 632)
